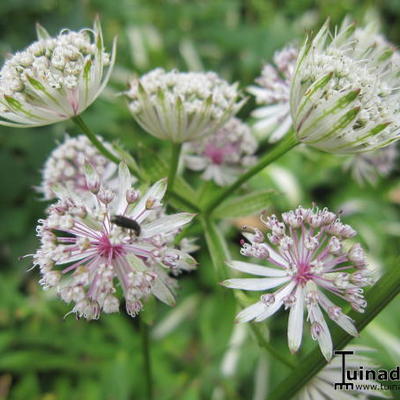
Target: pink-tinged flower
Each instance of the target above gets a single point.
(272, 92)
(369, 166)
(65, 167)
(308, 265)
(54, 78)
(92, 255)
(223, 155)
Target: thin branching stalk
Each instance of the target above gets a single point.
(176, 151)
(280, 149)
(95, 141)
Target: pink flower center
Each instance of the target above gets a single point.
(303, 274)
(217, 154)
(107, 249)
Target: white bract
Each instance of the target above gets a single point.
(345, 91)
(222, 155)
(369, 166)
(65, 166)
(273, 92)
(54, 78)
(308, 265)
(92, 260)
(182, 106)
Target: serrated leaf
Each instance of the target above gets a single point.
(243, 206)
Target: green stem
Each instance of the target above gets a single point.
(95, 141)
(281, 148)
(378, 297)
(144, 332)
(176, 151)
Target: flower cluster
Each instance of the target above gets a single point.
(345, 91)
(222, 155)
(307, 259)
(182, 106)
(273, 92)
(65, 166)
(85, 248)
(54, 78)
(369, 166)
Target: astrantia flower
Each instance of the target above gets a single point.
(91, 260)
(65, 166)
(273, 92)
(223, 155)
(307, 266)
(182, 106)
(369, 166)
(54, 78)
(321, 386)
(345, 94)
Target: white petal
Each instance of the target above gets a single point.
(255, 269)
(166, 224)
(295, 325)
(255, 283)
(251, 312)
(163, 292)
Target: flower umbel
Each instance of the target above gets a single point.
(272, 92)
(182, 106)
(345, 92)
(308, 261)
(65, 167)
(54, 78)
(223, 155)
(84, 253)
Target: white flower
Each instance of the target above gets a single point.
(54, 78)
(369, 166)
(182, 106)
(321, 386)
(345, 91)
(65, 167)
(307, 260)
(223, 155)
(91, 258)
(273, 92)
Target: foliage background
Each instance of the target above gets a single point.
(43, 356)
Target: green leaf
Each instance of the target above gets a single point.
(243, 206)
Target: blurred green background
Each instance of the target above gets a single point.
(43, 356)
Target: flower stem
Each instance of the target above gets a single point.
(144, 332)
(176, 151)
(378, 297)
(95, 141)
(281, 148)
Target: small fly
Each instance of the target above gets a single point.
(125, 222)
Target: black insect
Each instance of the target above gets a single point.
(125, 222)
